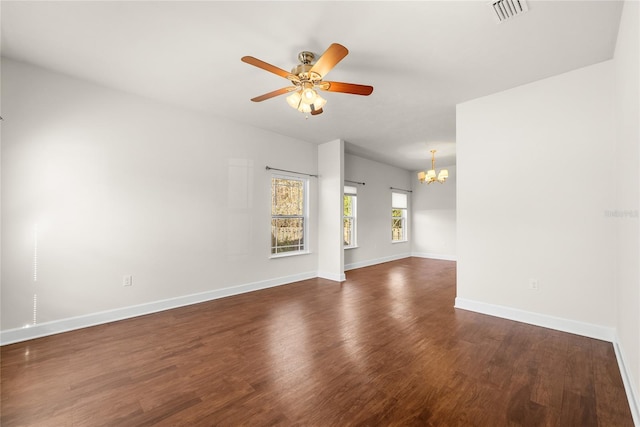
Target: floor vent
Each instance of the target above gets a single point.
(504, 10)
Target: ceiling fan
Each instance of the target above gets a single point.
(307, 77)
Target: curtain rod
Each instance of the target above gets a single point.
(401, 189)
(354, 182)
(284, 170)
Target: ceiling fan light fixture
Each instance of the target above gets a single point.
(307, 78)
(298, 101)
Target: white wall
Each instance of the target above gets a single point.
(535, 177)
(330, 189)
(434, 217)
(114, 184)
(374, 211)
(627, 178)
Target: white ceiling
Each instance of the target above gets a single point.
(421, 57)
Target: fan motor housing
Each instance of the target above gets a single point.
(306, 57)
(301, 69)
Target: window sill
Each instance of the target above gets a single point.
(288, 254)
(399, 241)
(350, 247)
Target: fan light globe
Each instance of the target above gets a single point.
(304, 108)
(294, 100)
(309, 96)
(319, 103)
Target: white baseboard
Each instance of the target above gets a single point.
(632, 393)
(443, 257)
(69, 324)
(332, 276)
(565, 325)
(370, 262)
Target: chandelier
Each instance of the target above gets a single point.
(430, 175)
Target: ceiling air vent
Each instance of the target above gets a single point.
(508, 9)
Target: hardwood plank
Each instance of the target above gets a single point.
(608, 385)
(386, 347)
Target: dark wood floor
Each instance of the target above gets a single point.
(386, 347)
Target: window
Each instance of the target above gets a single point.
(288, 215)
(398, 217)
(350, 201)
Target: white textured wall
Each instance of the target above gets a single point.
(434, 217)
(627, 180)
(535, 171)
(374, 211)
(115, 184)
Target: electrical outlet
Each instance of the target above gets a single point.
(127, 280)
(534, 284)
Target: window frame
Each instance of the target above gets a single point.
(304, 217)
(403, 218)
(353, 217)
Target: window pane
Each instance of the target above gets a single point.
(349, 218)
(348, 205)
(287, 234)
(348, 231)
(398, 217)
(287, 196)
(288, 214)
(397, 229)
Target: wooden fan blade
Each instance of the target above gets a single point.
(329, 59)
(316, 112)
(346, 88)
(265, 66)
(274, 93)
